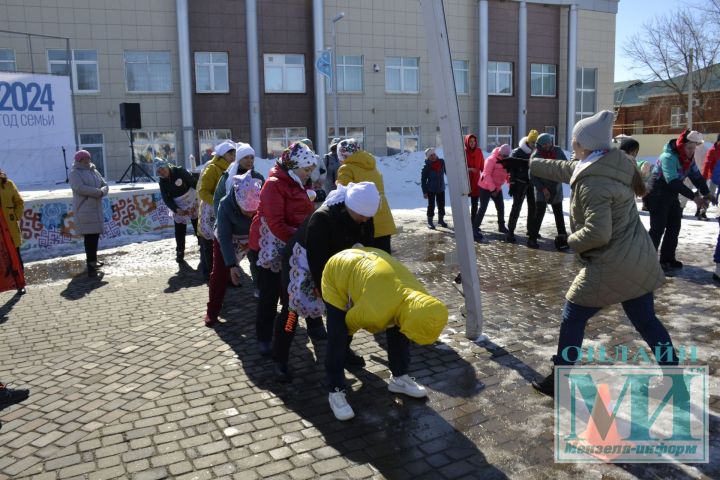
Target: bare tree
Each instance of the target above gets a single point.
(664, 48)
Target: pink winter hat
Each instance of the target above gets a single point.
(505, 150)
(81, 155)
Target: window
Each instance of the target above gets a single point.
(498, 136)
(438, 137)
(550, 130)
(94, 143)
(147, 71)
(350, 73)
(211, 72)
(402, 74)
(149, 145)
(677, 117)
(542, 80)
(284, 73)
(585, 93)
(499, 78)
(638, 127)
(84, 68)
(7, 60)
(278, 139)
(358, 133)
(207, 139)
(461, 72)
(402, 139)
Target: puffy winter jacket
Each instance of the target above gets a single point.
(474, 158)
(711, 159)
(12, 206)
(668, 175)
(361, 167)
(284, 205)
(379, 292)
(431, 180)
(494, 176)
(619, 261)
(555, 188)
(86, 183)
(209, 179)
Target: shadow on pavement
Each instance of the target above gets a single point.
(82, 285)
(506, 359)
(691, 273)
(399, 436)
(5, 309)
(185, 277)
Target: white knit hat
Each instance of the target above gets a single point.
(242, 150)
(363, 198)
(595, 133)
(224, 147)
(695, 137)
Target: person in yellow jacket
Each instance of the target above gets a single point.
(357, 166)
(12, 206)
(223, 156)
(367, 288)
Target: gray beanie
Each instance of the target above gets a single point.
(595, 133)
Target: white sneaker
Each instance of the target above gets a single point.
(408, 386)
(339, 405)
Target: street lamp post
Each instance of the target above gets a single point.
(335, 19)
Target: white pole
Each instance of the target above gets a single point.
(337, 18)
(185, 81)
(571, 72)
(321, 142)
(522, 71)
(690, 92)
(483, 80)
(448, 115)
(253, 75)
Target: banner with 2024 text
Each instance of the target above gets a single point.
(36, 122)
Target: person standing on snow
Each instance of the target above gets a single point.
(548, 192)
(520, 186)
(357, 165)
(475, 164)
(666, 182)
(432, 182)
(619, 264)
(367, 288)
(492, 179)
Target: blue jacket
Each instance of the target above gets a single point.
(230, 221)
(668, 174)
(432, 181)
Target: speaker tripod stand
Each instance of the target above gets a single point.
(134, 166)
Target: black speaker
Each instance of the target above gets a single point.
(130, 116)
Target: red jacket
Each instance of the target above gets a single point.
(474, 159)
(711, 158)
(284, 205)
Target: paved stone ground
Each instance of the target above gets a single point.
(126, 382)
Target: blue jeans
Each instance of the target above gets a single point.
(640, 311)
(716, 257)
(337, 342)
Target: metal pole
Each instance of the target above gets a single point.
(185, 81)
(32, 61)
(253, 74)
(72, 92)
(448, 115)
(483, 80)
(522, 71)
(571, 72)
(321, 132)
(690, 92)
(334, 77)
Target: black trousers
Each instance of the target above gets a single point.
(540, 214)
(438, 197)
(383, 243)
(485, 197)
(521, 191)
(206, 256)
(181, 232)
(665, 223)
(91, 246)
(473, 207)
(269, 284)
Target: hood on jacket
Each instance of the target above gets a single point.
(614, 164)
(421, 317)
(524, 146)
(467, 142)
(362, 159)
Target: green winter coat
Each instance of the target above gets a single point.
(618, 259)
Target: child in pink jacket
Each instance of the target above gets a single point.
(493, 177)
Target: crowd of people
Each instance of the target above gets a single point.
(317, 235)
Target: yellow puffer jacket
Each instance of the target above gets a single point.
(12, 207)
(360, 167)
(209, 179)
(379, 292)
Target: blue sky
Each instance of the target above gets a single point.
(632, 14)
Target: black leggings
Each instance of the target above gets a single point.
(91, 246)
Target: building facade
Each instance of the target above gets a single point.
(245, 69)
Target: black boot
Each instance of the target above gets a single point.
(430, 223)
(532, 243)
(442, 223)
(282, 373)
(561, 242)
(502, 228)
(510, 237)
(546, 386)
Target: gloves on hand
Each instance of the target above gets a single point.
(105, 189)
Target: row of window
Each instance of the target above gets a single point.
(150, 71)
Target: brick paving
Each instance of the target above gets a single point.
(126, 381)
